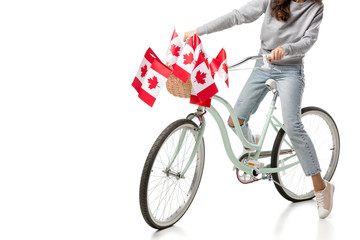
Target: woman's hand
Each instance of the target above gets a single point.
(277, 54)
(187, 35)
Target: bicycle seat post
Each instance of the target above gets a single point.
(276, 94)
(271, 85)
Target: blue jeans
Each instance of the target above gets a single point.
(290, 84)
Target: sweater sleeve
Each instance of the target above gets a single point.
(309, 38)
(246, 14)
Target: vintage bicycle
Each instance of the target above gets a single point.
(174, 166)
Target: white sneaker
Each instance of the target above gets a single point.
(257, 139)
(324, 200)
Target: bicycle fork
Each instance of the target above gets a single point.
(201, 129)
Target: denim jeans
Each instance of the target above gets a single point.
(290, 84)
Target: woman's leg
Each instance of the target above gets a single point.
(249, 99)
(318, 182)
(231, 123)
(291, 86)
(290, 83)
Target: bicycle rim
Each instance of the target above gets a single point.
(324, 134)
(168, 196)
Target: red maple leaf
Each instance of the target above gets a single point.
(203, 54)
(143, 70)
(225, 67)
(175, 50)
(200, 77)
(188, 58)
(153, 82)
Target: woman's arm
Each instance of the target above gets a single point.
(246, 14)
(307, 41)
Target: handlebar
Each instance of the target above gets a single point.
(266, 59)
(245, 60)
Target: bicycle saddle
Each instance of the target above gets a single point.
(271, 85)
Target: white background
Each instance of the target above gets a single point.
(74, 136)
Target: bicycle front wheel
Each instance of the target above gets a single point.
(322, 130)
(165, 195)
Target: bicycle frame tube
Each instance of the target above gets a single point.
(201, 131)
(265, 170)
(226, 141)
(270, 119)
(278, 124)
(239, 132)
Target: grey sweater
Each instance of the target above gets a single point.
(296, 36)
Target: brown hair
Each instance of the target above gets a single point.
(280, 9)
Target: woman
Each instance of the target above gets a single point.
(289, 30)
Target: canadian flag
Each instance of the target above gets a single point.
(144, 68)
(174, 50)
(223, 69)
(214, 66)
(219, 65)
(153, 82)
(194, 99)
(186, 62)
(202, 81)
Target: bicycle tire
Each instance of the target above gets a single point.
(179, 193)
(328, 159)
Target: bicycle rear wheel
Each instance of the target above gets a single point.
(165, 196)
(294, 185)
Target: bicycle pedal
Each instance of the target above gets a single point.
(256, 164)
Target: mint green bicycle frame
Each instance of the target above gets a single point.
(270, 119)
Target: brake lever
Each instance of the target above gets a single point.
(266, 61)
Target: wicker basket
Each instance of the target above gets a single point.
(178, 88)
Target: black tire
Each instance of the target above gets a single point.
(328, 148)
(179, 193)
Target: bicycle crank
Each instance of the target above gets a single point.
(246, 158)
(244, 177)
